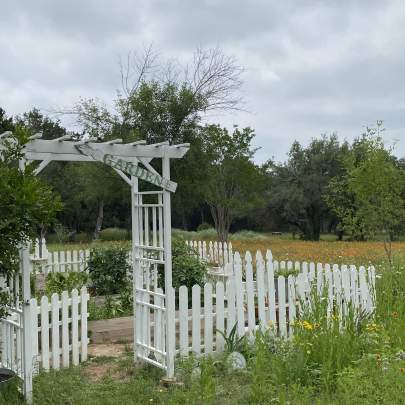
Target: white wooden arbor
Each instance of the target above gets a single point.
(154, 309)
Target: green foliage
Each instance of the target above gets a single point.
(207, 234)
(113, 307)
(369, 197)
(234, 183)
(233, 342)
(204, 226)
(108, 269)
(25, 203)
(248, 235)
(59, 282)
(114, 234)
(82, 237)
(187, 269)
(297, 186)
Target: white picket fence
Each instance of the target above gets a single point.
(260, 299)
(59, 261)
(59, 331)
(215, 253)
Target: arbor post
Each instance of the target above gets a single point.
(170, 306)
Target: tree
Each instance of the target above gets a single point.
(6, 123)
(25, 203)
(234, 184)
(374, 186)
(34, 121)
(298, 186)
(160, 101)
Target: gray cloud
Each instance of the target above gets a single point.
(312, 67)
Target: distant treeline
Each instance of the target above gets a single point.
(219, 183)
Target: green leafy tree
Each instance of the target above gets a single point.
(34, 121)
(234, 184)
(298, 186)
(162, 102)
(25, 203)
(374, 190)
(6, 123)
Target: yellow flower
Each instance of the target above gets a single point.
(307, 325)
(373, 327)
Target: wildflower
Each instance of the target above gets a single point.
(307, 325)
(402, 369)
(373, 327)
(270, 324)
(395, 315)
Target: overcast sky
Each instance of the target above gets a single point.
(312, 67)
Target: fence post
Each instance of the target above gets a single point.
(219, 307)
(55, 330)
(240, 316)
(83, 323)
(27, 321)
(260, 288)
(183, 320)
(196, 322)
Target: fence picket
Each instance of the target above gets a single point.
(45, 333)
(83, 323)
(34, 325)
(291, 303)
(363, 288)
(208, 318)
(220, 324)
(271, 288)
(260, 289)
(231, 309)
(240, 316)
(250, 293)
(196, 323)
(337, 285)
(65, 329)
(281, 306)
(55, 331)
(75, 328)
(183, 320)
(345, 277)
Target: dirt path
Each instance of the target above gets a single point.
(108, 350)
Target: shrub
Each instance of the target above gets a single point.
(113, 307)
(82, 237)
(108, 269)
(209, 233)
(114, 234)
(185, 235)
(59, 282)
(248, 235)
(204, 226)
(187, 269)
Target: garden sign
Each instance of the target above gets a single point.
(127, 167)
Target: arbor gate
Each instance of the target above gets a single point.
(154, 307)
